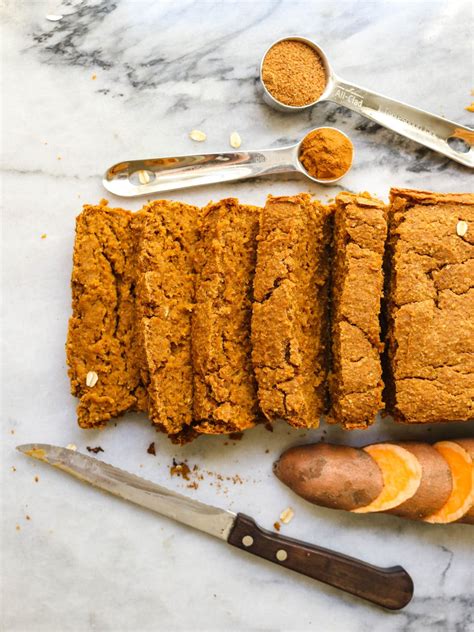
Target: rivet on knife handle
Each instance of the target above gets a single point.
(391, 588)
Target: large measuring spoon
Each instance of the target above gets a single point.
(156, 175)
(445, 137)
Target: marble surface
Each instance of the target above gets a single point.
(124, 79)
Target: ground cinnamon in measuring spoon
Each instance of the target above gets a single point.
(293, 73)
(326, 153)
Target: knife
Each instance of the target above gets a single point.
(391, 587)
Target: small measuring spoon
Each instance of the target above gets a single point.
(156, 175)
(444, 136)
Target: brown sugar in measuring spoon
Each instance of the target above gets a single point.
(444, 136)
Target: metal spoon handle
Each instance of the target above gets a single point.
(156, 175)
(424, 128)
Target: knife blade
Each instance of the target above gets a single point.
(391, 587)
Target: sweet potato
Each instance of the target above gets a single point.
(461, 498)
(468, 444)
(401, 473)
(335, 476)
(436, 483)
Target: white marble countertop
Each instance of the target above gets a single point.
(129, 79)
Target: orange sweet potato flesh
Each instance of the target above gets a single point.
(401, 473)
(335, 476)
(461, 497)
(435, 486)
(468, 445)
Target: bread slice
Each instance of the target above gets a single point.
(225, 398)
(360, 231)
(430, 373)
(290, 312)
(101, 331)
(166, 236)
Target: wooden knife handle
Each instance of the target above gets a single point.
(388, 587)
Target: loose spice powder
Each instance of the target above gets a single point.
(326, 154)
(293, 73)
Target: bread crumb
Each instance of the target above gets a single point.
(94, 77)
(151, 449)
(13, 468)
(36, 479)
(180, 469)
(470, 108)
(71, 446)
(27, 517)
(276, 526)
(17, 527)
(95, 450)
(43, 236)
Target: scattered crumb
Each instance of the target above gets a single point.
(287, 515)
(268, 426)
(13, 468)
(180, 469)
(17, 527)
(276, 526)
(197, 135)
(267, 451)
(27, 517)
(95, 450)
(470, 108)
(94, 77)
(236, 436)
(151, 448)
(59, 158)
(12, 431)
(235, 140)
(103, 202)
(193, 485)
(36, 479)
(141, 465)
(71, 446)
(43, 236)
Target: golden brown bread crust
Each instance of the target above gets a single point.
(165, 299)
(102, 326)
(225, 398)
(355, 381)
(289, 319)
(430, 307)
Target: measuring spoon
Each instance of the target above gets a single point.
(444, 136)
(156, 175)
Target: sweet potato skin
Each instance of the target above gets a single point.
(435, 486)
(468, 445)
(334, 476)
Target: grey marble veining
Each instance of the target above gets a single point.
(85, 561)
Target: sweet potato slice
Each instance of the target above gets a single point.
(461, 497)
(401, 473)
(436, 483)
(335, 476)
(468, 444)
